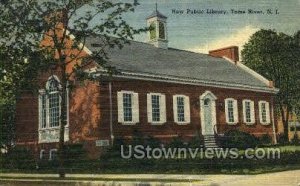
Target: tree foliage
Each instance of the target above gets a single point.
(276, 57)
(26, 24)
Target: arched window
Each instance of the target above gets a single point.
(54, 102)
(50, 103)
(50, 111)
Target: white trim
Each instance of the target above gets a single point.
(235, 111)
(273, 123)
(249, 70)
(50, 153)
(213, 98)
(50, 134)
(252, 112)
(134, 106)
(187, 115)
(42, 154)
(162, 108)
(268, 119)
(186, 81)
(253, 73)
(208, 93)
(85, 49)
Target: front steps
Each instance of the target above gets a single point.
(210, 141)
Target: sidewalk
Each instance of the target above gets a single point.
(286, 178)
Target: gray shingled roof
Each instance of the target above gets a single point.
(141, 57)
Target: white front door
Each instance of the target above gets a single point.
(207, 110)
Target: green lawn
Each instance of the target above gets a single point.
(289, 148)
(113, 163)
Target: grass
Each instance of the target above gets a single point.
(289, 148)
(290, 160)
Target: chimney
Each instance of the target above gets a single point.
(231, 52)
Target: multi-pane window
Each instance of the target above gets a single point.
(230, 111)
(161, 27)
(156, 108)
(180, 109)
(155, 101)
(127, 107)
(248, 111)
(43, 111)
(50, 105)
(54, 103)
(264, 112)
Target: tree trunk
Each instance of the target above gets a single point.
(61, 150)
(285, 122)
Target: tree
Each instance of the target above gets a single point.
(39, 32)
(276, 56)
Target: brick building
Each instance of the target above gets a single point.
(160, 91)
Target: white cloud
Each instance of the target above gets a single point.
(238, 38)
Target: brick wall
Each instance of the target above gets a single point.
(171, 129)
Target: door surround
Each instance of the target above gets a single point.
(208, 95)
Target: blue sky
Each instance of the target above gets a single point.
(204, 32)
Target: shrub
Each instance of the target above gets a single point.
(265, 139)
(295, 140)
(18, 158)
(177, 142)
(239, 139)
(281, 139)
(196, 142)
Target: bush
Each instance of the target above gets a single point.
(265, 139)
(177, 142)
(281, 139)
(196, 142)
(239, 139)
(18, 158)
(295, 140)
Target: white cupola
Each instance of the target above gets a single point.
(158, 29)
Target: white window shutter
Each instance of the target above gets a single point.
(135, 108)
(120, 107)
(244, 111)
(40, 111)
(163, 117)
(226, 111)
(235, 111)
(149, 108)
(175, 109)
(252, 112)
(260, 111)
(187, 112)
(268, 112)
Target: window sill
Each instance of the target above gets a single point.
(128, 123)
(264, 123)
(182, 123)
(53, 128)
(249, 124)
(230, 123)
(157, 123)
